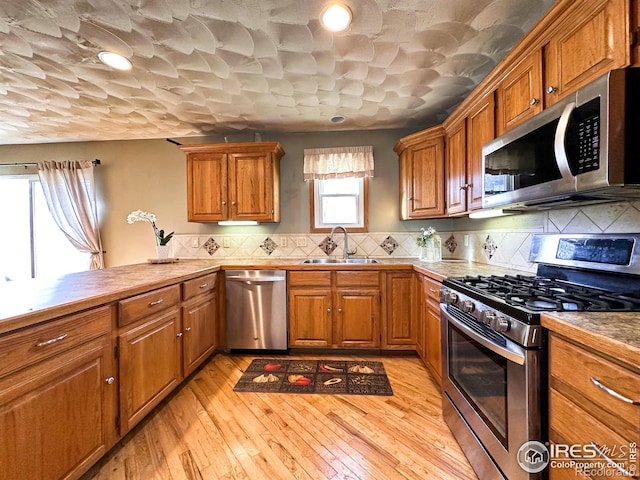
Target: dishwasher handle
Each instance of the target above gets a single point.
(252, 280)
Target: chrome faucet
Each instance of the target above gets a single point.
(345, 247)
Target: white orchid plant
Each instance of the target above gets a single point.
(140, 216)
(426, 235)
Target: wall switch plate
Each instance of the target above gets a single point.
(301, 241)
(283, 241)
(226, 242)
(194, 242)
(466, 240)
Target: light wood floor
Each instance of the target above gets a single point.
(207, 431)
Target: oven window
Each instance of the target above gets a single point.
(481, 376)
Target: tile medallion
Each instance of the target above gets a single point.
(327, 246)
(489, 247)
(268, 246)
(451, 244)
(211, 246)
(389, 245)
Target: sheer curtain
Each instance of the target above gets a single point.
(339, 162)
(69, 190)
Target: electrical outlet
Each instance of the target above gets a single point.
(226, 242)
(301, 241)
(283, 241)
(194, 242)
(466, 240)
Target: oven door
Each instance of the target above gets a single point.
(491, 395)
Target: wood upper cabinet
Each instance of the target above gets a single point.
(233, 181)
(334, 308)
(421, 157)
(519, 94)
(456, 167)
(592, 38)
(399, 331)
(58, 404)
(481, 129)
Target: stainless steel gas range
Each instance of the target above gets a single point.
(494, 349)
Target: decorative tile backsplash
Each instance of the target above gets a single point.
(495, 246)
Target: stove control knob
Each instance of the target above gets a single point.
(468, 306)
(501, 324)
(451, 297)
(487, 317)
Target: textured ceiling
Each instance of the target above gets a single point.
(225, 66)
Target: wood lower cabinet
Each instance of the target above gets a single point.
(199, 321)
(429, 334)
(150, 365)
(587, 409)
(421, 157)
(233, 181)
(58, 406)
(399, 332)
(334, 309)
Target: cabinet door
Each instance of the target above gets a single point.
(199, 331)
(480, 130)
(424, 180)
(591, 40)
(399, 332)
(149, 365)
(251, 186)
(434, 358)
(357, 314)
(207, 187)
(310, 317)
(520, 93)
(456, 161)
(421, 321)
(58, 417)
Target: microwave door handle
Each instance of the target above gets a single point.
(558, 144)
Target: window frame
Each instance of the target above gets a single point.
(365, 207)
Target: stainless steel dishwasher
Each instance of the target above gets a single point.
(256, 309)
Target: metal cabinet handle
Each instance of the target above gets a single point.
(433, 290)
(339, 310)
(233, 203)
(328, 310)
(156, 302)
(614, 464)
(409, 198)
(109, 380)
(534, 101)
(179, 334)
(204, 285)
(53, 340)
(613, 393)
(462, 187)
(224, 203)
(552, 89)
(188, 329)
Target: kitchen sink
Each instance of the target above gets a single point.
(337, 260)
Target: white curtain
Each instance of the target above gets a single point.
(340, 162)
(69, 190)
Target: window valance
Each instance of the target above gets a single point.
(340, 162)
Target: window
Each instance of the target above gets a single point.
(31, 244)
(339, 201)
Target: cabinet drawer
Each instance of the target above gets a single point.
(431, 289)
(199, 286)
(369, 279)
(140, 306)
(321, 278)
(29, 346)
(575, 367)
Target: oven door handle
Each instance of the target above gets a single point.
(511, 352)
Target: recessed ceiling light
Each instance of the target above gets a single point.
(336, 17)
(115, 60)
(337, 119)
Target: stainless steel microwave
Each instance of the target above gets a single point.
(582, 150)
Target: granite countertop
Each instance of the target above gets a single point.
(614, 334)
